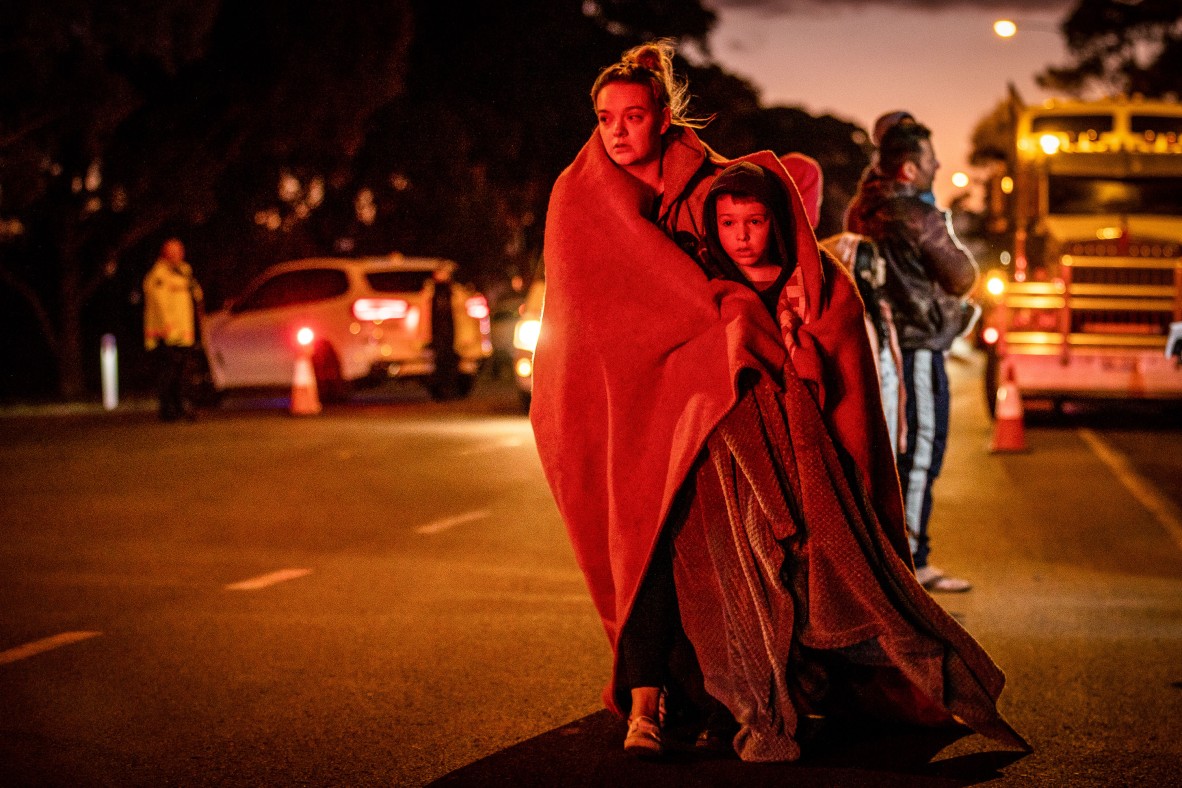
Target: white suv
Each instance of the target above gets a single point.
(371, 319)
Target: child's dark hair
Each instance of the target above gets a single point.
(752, 181)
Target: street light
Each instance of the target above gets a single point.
(1006, 28)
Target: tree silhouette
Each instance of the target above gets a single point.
(1121, 47)
(265, 131)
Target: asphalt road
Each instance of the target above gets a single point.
(385, 595)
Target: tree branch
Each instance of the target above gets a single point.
(35, 303)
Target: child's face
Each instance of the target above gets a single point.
(743, 229)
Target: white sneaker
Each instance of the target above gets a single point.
(934, 579)
(644, 737)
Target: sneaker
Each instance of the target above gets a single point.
(934, 579)
(644, 737)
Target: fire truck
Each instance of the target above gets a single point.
(1087, 300)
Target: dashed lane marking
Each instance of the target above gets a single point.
(451, 522)
(1158, 505)
(269, 579)
(44, 644)
(485, 448)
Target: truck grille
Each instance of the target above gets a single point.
(1120, 321)
(1123, 297)
(1160, 277)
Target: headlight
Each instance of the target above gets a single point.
(525, 334)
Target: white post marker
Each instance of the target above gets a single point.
(109, 366)
(44, 644)
(485, 448)
(269, 579)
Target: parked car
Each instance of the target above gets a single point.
(525, 339)
(371, 320)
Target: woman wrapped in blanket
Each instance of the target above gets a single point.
(721, 465)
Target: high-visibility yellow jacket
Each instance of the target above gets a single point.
(169, 297)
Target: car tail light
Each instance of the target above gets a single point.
(378, 309)
(477, 307)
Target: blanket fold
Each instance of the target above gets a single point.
(796, 601)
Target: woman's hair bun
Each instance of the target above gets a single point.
(652, 57)
(651, 65)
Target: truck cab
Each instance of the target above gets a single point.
(1084, 299)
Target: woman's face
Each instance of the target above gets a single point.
(630, 124)
(743, 229)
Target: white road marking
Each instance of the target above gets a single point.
(505, 443)
(45, 644)
(1158, 505)
(451, 522)
(269, 579)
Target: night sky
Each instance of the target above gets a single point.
(856, 60)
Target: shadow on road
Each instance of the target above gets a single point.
(588, 752)
(1163, 416)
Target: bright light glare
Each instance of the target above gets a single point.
(960, 180)
(996, 285)
(477, 307)
(990, 335)
(1007, 185)
(377, 309)
(524, 367)
(305, 336)
(1005, 28)
(1108, 233)
(525, 334)
(1049, 143)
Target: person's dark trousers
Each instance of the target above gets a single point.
(172, 377)
(928, 399)
(647, 638)
(654, 651)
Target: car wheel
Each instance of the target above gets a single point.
(329, 384)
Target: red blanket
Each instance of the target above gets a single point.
(639, 357)
(794, 600)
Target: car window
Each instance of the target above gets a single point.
(296, 287)
(397, 281)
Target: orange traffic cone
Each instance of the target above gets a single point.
(305, 400)
(1009, 428)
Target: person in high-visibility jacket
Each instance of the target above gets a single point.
(172, 299)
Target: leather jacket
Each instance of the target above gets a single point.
(928, 271)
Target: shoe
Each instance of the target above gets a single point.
(717, 737)
(644, 737)
(716, 741)
(934, 579)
